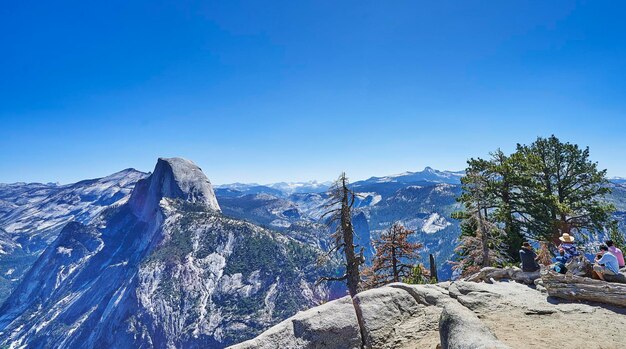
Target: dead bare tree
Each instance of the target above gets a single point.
(339, 212)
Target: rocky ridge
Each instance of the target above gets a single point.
(453, 315)
(33, 214)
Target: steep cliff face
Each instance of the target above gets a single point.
(164, 270)
(173, 178)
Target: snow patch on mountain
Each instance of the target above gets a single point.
(618, 180)
(310, 205)
(280, 223)
(368, 198)
(64, 250)
(435, 223)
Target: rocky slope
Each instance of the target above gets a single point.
(166, 269)
(33, 214)
(455, 315)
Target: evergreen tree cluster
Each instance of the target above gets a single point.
(539, 192)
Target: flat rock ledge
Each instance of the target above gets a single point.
(491, 274)
(457, 315)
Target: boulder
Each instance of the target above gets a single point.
(483, 298)
(460, 328)
(392, 317)
(426, 294)
(490, 274)
(331, 325)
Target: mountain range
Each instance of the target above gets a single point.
(164, 259)
(162, 268)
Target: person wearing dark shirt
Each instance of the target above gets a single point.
(529, 258)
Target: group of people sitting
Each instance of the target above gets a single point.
(609, 260)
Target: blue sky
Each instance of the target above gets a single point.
(259, 91)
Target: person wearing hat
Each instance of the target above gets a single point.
(567, 245)
(528, 258)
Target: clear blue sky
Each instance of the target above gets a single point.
(263, 91)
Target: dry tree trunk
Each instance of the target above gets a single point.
(578, 288)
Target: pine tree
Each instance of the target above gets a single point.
(619, 240)
(471, 256)
(539, 192)
(481, 241)
(505, 182)
(395, 256)
(499, 187)
(562, 190)
(419, 275)
(339, 211)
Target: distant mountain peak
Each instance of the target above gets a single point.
(174, 178)
(429, 174)
(618, 180)
(299, 187)
(280, 188)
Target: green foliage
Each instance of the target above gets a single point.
(619, 240)
(259, 253)
(19, 261)
(482, 238)
(176, 249)
(494, 184)
(563, 190)
(418, 276)
(539, 192)
(180, 243)
(281, 264)
(472, 242)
